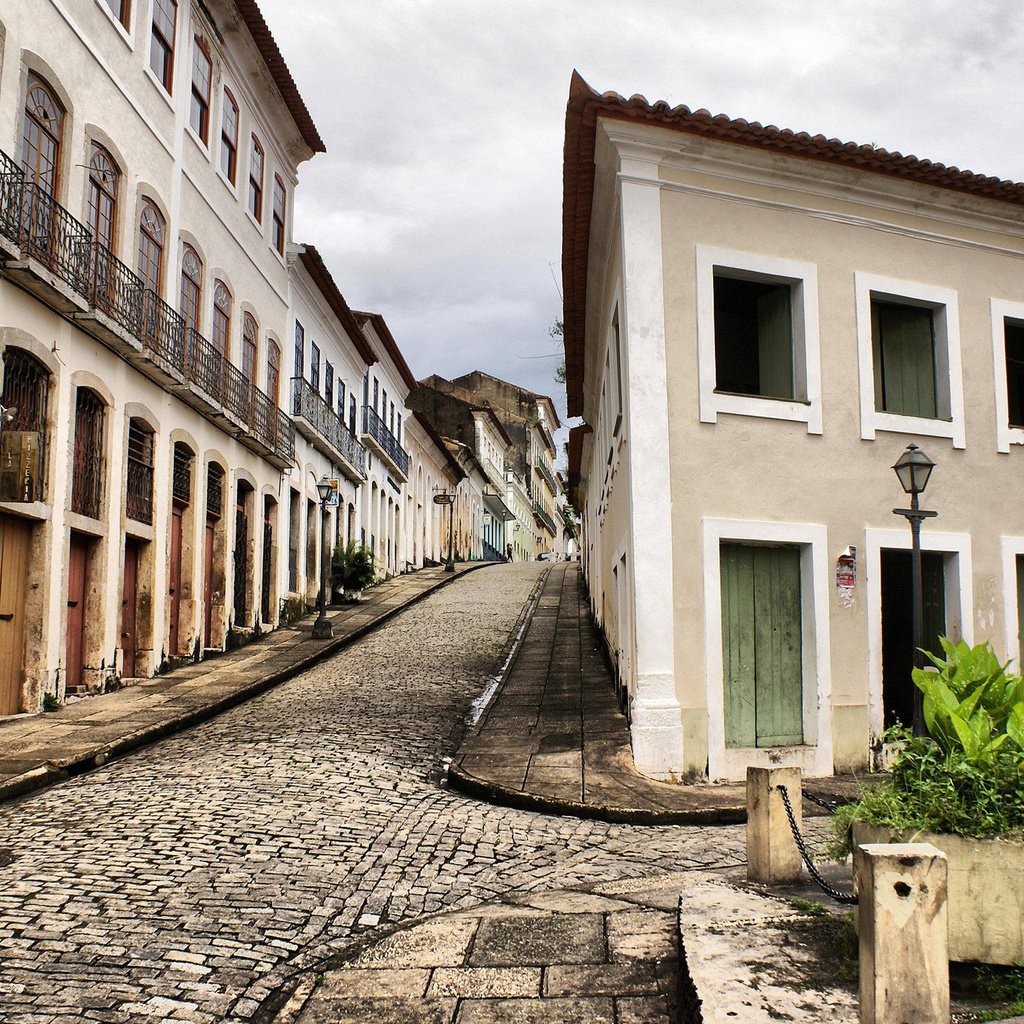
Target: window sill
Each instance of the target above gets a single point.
(124, 32)
(198, 141)
(159, 86)
(893, 423)
(790, 409)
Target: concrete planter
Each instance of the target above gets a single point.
(986, 894)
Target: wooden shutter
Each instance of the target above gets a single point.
(775, 344)
(762, 646)
(903, 343)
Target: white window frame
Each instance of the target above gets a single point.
(1003, 310)
(959, 594)
(1011, 548)
(814, 755)
(803, 280)
(946, 323)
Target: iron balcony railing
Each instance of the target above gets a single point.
(45, 231)
(495, 474)
(307, 403)
(139, 491)
(373, 426)
(542, 468)
(541, 514)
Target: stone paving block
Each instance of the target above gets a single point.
(441, 943)
(560, 938)
(644, 1010)
(376, 983)
(380, 1011)
(485, 982)
(600, 980)
(536, 1011)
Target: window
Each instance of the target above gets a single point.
(229, 137)
(44, 126)
(87, 468)
(221, 318)
(25, 396)
(908, 346)
(1013, 336)
(341, 400)
(376, 393)
(300, 350)
(202, 75)
(103, 182)
(139, 472)
(280, 202)
(757, 334)
(190, 305)
(352, 413)
(314, 365)
(1008, 359)
(328, 384)
(618, 368)
(161, 47)
(122, 10)
(273, 372)
(250, 340)
(151, 246)
(256, 180)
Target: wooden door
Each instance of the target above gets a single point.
(174, 583)
(241, 563)
(129, 607)
(762, 646)
(208, 582)
(78, 560)
(265, 583)
(15, 559)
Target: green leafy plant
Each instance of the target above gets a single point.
(352, 567)
(50, 702)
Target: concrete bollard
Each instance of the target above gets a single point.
(901, 921)
(772, 855)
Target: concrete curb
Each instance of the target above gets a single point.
(57, 771)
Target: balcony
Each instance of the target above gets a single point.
(496, 476)
(549, 478)
(55, 256)
(325, 430)
(384, 443)
(544, 519)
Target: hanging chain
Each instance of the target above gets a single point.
(838, 895)
(814, 799)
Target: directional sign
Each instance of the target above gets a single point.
(444, 499)
(334, 498)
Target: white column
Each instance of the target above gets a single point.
(657, 731)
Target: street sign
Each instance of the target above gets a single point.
(334, 498)
(444, 499)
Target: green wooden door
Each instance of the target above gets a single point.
(761, 646)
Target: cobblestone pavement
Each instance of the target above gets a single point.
(195, 878)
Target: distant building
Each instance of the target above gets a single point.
(756, 323)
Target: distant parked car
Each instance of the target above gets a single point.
(547, 556)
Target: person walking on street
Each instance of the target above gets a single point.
(508, 552)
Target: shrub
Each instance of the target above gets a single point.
(352, 567)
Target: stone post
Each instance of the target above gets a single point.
(901, 920)
(772, 855)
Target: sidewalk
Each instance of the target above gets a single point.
(38, 750)
(553, 738)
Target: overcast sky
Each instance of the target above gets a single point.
(438, 202)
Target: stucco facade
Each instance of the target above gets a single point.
(678, 473)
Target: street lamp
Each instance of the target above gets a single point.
(322, 629)
(449, 500)
(913, 468)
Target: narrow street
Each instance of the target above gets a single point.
(191, 880)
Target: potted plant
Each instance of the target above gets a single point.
(961, 789)
(352, 570)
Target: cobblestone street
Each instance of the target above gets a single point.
(193, 879)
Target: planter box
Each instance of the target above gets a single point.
(986, 891)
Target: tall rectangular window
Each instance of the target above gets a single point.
(122, 10)
(341, 400)
(903, 355)
(300, 350)
(328, 384)
(256, 180)
(161, 45)
(314, 365)
(229, 137)
(202, 76)
(280, 209)
(1014, 339)
(376, 393)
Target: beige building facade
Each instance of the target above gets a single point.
(757, 324)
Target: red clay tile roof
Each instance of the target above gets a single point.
(390, 344)
(321, 276)
(258, 29)
(585, 106)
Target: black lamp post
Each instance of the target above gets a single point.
(322, 629)
(914, 468)
(449, 500)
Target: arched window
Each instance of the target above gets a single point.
(151, 246)
(191, 287)
(25, 398)
(44, 127)
(139, 473)
(104, 179)
(273, 372)
(221, 317)
(250, 337)
(87, 468)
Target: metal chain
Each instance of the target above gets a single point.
(821, 803)
(838, 895)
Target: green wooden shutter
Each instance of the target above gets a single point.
(1020, 610)
(903, 344)
(775, 344)
(933, 585)
(762, 646)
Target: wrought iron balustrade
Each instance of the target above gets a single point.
(116, 290)
(545, 471)
(204, 365)
(12, 184)
(541, 514)
(163, 330)
(139, 491)
(308, 403)
(373, 425)
(56, 239)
